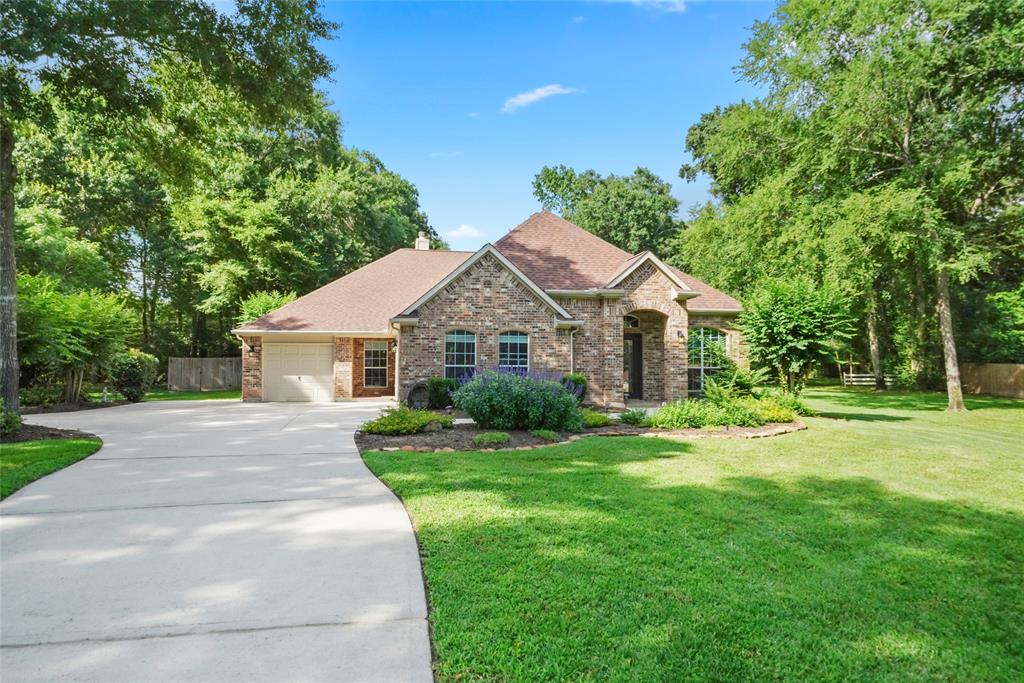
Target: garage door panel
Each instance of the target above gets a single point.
(298, 372)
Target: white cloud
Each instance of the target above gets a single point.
(463, 232)
(661, 5)
(525, 99)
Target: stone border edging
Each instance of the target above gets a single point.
(764, 431)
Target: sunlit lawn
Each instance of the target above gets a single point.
(888, 545)
(168, 395)
(23, 462)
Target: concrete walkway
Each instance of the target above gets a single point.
(212, 541)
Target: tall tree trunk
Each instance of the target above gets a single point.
(876, 356)
(953, 389)
(8, 282)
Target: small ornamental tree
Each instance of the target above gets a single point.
(792, 326)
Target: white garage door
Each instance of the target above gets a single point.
(298, 372)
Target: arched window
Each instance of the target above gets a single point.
(708, 351)
(630, 321)
(459, 354)
(514, 350)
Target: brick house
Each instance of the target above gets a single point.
(547, 296)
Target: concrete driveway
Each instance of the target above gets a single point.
(212, 541)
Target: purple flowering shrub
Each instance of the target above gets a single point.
(518, 399)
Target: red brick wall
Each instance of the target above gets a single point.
(343, 349)
(252, 368)
(359, 390)
(486, 300)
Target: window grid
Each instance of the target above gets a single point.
(459, 354)
(514, 350)
(375, 364)
(706, 347)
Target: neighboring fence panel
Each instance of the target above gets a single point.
(851, 379)
(998, 379)
(204, 374)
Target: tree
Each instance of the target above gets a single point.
(77, 52)
(883, 97)
(635, 213)
(47, 245)
(792, 326)
(259, 304)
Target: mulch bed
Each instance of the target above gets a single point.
(69, 407)
(460, 438)
(28, 432)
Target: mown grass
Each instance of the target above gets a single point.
(168, 395)
(887, 545)
(23, 462)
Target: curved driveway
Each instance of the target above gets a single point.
(212, 541)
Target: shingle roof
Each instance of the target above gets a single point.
(365, 299)
(557, 254)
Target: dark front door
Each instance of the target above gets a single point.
(632, 366)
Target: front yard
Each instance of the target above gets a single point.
(888, 545)
(23, 462)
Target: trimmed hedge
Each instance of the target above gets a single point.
(133, 373)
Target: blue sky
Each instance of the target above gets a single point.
(431, 88)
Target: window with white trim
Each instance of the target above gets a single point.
(514, 350)
(375, 364)
(630, 321)
(708, 349)
(459, 354)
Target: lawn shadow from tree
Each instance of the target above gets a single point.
(589, 561)
(863, 417)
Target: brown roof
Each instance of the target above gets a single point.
(365, 299)
(557, 254)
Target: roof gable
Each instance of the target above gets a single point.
(467, 264)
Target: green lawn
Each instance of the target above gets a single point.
(888, 545)
(23, 462)
(168, 395)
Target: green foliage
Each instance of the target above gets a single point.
(635, 417)
(792, 326)
(993, 328)
(576, 383)
(47, 245)
(58, 331)
(546, 434)
(697, 413)
(133, 373)
(635, 213)
(792, 403)
(769, 409)
(258, 304)
(593, 418)
(491, 438)
(406, 420)
(509, 400)
(40, 395)
(439, 392)
(10, 420)
(23, 462)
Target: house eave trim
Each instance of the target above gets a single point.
(716, 311)
(337, 333)
(595, 293)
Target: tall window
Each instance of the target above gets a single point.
(459, 354)
(514, 350)
(375, 364)
(708, 351)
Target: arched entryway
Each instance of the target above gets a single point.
(643, 355)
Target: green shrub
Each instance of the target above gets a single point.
(133, 373)
(592, 418)
(769, 409)
(510, 400)
(41, 395)
(695, 413)
(10, 421)
(545, 434)
(491, 438)
(406, 420)
(439, 392)
(794, 404)
(576, 383)
(635, 417)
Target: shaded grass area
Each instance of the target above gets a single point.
(861, 549)
(23, 462)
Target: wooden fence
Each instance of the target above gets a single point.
(852, 379)
(204, 374)
(997, 379)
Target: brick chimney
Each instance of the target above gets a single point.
(423, 242)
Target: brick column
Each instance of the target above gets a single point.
(676, 355)
(252, 369)
(343, 349)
